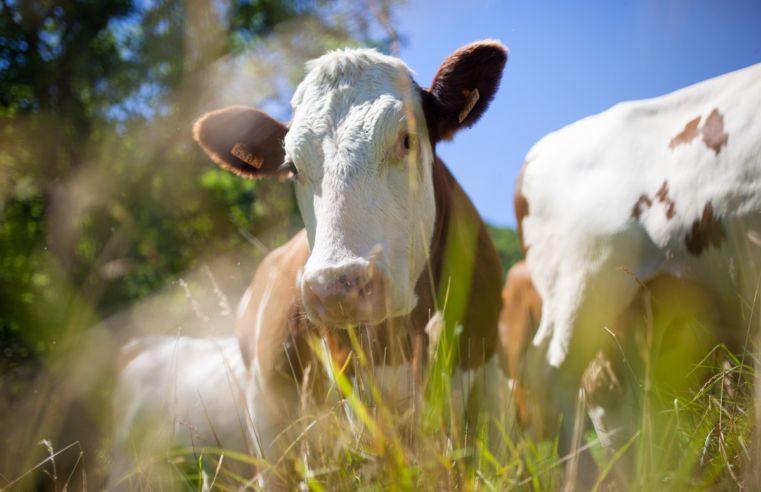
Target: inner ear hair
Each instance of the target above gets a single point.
(464, 87)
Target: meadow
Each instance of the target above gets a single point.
(114, 225)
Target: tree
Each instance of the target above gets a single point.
(103, 196)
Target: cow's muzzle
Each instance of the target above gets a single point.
(345, 297)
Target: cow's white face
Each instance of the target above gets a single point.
(362, 160)
(359, 146)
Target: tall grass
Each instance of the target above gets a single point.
(359, 438)
(380, 429)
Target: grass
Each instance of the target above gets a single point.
(353, 440)
(351, 433)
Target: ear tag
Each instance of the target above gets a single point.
(241, 153)
(472, 99)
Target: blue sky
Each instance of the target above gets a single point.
(568, 60)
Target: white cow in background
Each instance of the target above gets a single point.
(666, 186)
(179, 392)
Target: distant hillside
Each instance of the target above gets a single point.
(508, 246)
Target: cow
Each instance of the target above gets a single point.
(176, 392)
(518, 322)
(390, 237)
(666, 186)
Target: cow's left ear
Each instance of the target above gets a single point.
(244, 140)
(463, 88)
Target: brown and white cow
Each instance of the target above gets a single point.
(390, 236)
(518, 322)
(666, 186)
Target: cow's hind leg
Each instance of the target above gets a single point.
(580, 315)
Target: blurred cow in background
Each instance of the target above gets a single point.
(518, 322)
(176, 392)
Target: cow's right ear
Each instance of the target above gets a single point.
(244, 140)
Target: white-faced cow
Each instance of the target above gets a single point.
(671, 186)
(390, 236)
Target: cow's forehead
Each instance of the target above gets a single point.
(345, 79)
(355, 101)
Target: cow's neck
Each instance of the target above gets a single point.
(467, 280)
(466, 270)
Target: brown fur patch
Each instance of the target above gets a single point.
(706, 231)
(521, 207)
(637, 210)
(689, 134)
(484, 301)
(518, 323)
(663, 197)
(713, 132)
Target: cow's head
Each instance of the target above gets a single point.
(360, 150)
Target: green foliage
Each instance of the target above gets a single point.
(508, 246)
(97, 182)
(358, 437)
(104, 197)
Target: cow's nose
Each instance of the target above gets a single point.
(345, 297)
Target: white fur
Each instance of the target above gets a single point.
(170, 381)
(582, 182)
(353, 192)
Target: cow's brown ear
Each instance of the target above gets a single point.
(244, 140)
(463, 87)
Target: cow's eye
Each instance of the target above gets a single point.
(407, 142)
(292, 169)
